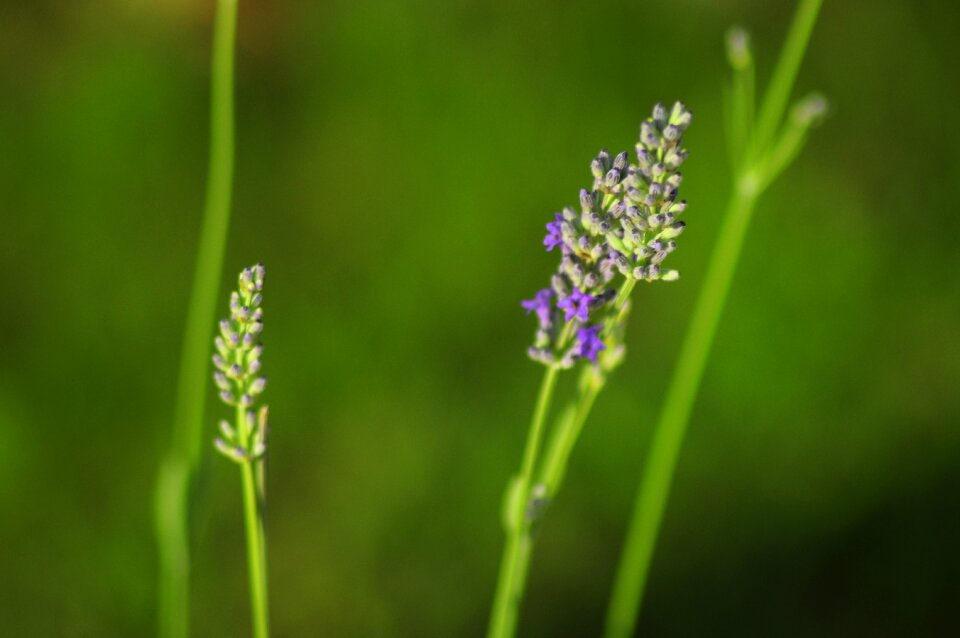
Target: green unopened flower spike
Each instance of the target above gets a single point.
(237, 366)
(237, 363)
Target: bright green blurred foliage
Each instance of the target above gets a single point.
(396, 164)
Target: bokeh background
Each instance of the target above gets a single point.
(396, 164)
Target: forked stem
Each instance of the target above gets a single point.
(749, 182)
(516, 551)
(651, 500)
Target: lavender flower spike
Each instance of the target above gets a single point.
(625, 230)
(237, 365)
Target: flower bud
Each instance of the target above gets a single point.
(660, 115)
(245, 280)
(604, 158)
(620, 162)
(596, 168)
(674, 157)
(257, 386)
(612, 178)
(738, 48)
(678, 207)
(672, 230)
(233, 452)
(617, 209)
(811, 110)
(226, 330)
(221, 380)
(648, 134)
(559, 285)
(227, 430)
(587, 200)
(680, 116)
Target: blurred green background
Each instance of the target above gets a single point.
(396, 164)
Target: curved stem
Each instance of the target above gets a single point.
(176, 473)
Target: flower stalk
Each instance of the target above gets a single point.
(237, 367)
(177, 470)
(758, 154)
(626, 228)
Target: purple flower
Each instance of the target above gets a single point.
(554, 233)
(576, 305)
(589, 343)
(541, 305)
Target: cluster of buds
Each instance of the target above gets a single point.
(627, 226)
(237, 366)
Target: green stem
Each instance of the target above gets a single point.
(740, 106)
(535, 435)
(255, 536)
(749, 182)
(568, 430)
(622, 295)
(515, 562)
(177, 470)
(668, 436)
(781, 83)
(516, 551)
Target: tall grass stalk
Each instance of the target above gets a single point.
(757, 159)
(177, 470)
